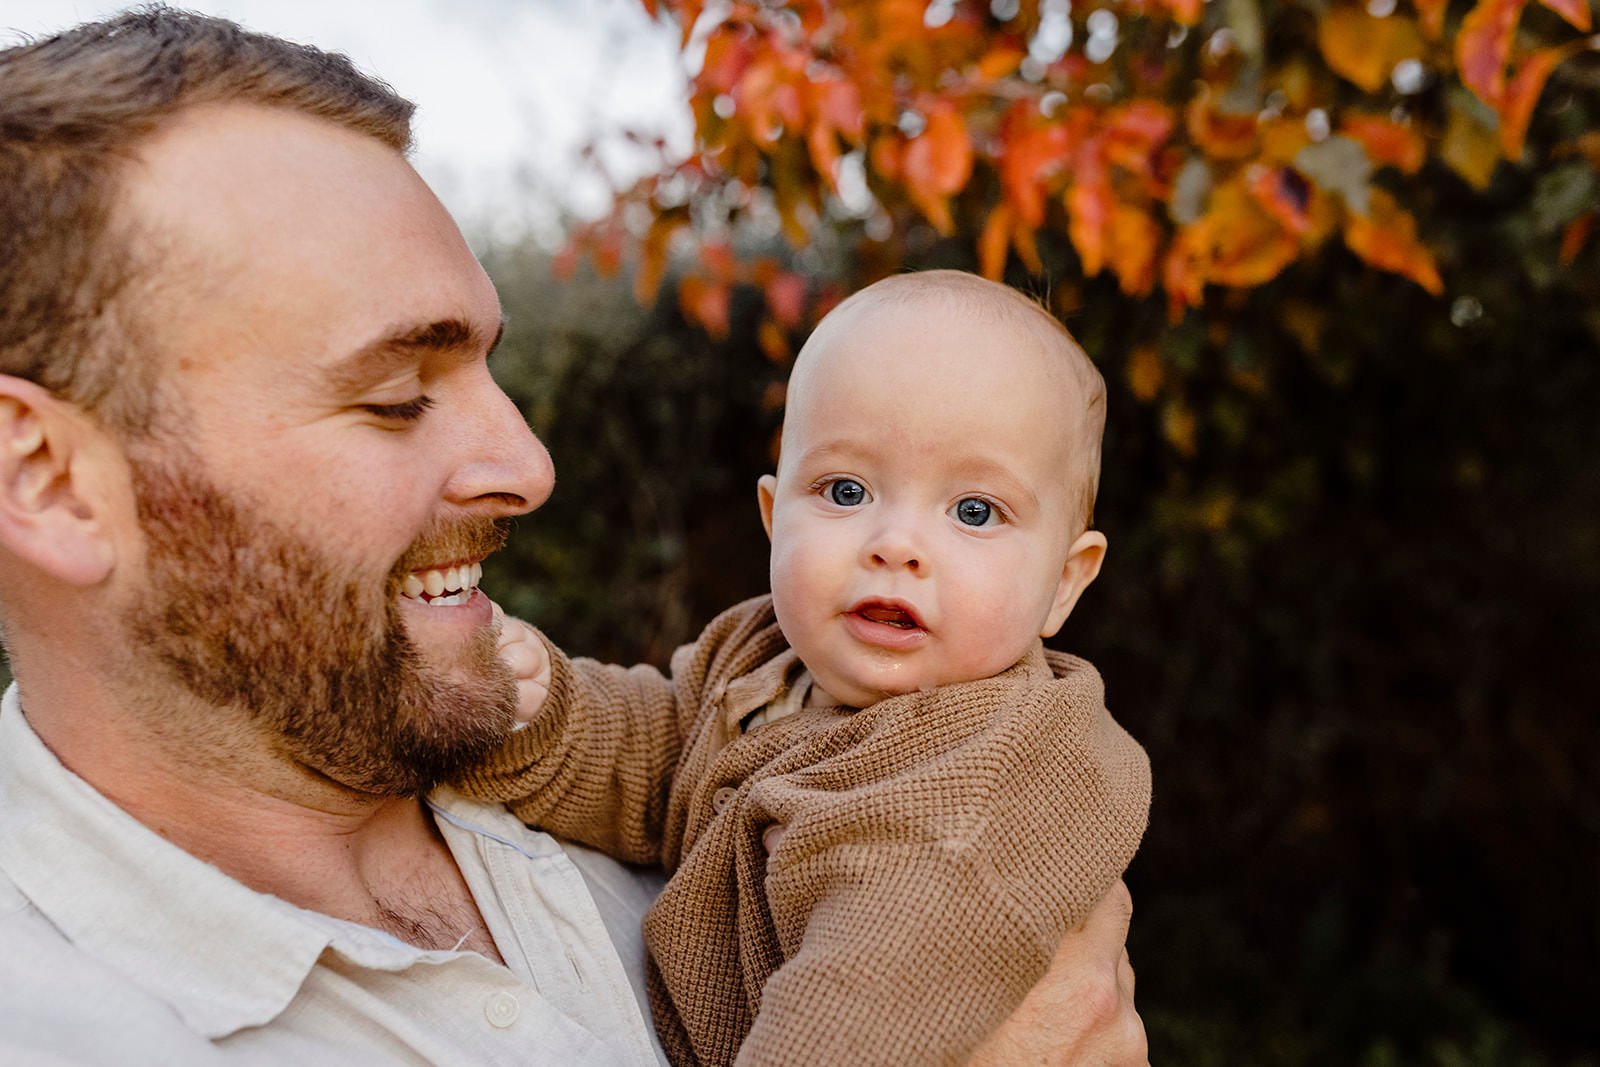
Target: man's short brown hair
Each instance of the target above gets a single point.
(73, 108)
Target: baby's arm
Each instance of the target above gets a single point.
(593, 752)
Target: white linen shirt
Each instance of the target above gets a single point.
(117, 946)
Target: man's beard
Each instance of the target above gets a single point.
(245, 614)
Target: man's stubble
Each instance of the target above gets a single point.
(245, 614)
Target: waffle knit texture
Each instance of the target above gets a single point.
(937, 846)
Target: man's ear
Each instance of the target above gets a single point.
(1088, 552)
(50, 512)
(766, 491)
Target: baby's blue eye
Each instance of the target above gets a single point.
(974, 512)
(847, 493)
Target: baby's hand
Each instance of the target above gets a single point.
(529, 660)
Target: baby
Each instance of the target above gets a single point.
(881, 801)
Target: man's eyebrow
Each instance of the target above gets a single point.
(374, 360)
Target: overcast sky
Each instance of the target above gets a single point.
(507, 90)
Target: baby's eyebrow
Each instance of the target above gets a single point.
(985, 471)
(403, 346)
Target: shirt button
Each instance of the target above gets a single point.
(722, 797)
(501, 1009)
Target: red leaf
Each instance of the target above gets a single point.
(1431, 16)
(1089, 209)
(1522, 93)
(1576, 12)
(1483, 47)
(1388, 143)
(705, 303)
(718, 258)
(1576, 235)
(786, 299)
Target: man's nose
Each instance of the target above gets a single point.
(503, 467)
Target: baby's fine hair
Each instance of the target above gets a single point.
(1012, 307)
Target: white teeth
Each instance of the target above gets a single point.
(460, 581)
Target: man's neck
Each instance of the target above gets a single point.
(276, 827)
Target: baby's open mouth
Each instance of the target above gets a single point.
(889, 616)
(443, 587)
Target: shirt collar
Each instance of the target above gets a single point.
(224, 956)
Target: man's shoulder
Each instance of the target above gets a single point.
(61, 1005)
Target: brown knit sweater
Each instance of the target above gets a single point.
(937, 846)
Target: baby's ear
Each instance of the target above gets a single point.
(766, 490)
(50, 513)
(1088, 552)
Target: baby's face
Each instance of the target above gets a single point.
(923, 508)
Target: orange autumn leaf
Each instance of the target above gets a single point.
(993, 241)
(1183, 271)
(887, 156)
(823, 147)
(774, 342)
(1186, 12)
(1388, 143)
(1246, 246)
(1089, 211)
(1576, 12)
(1031, 154)
(1363, 48)
(1145, 373)
(1431, 16)
(1575, 235)
(1220, 134)
(937, 164)
(1483, 47)
(1000, 62)
(1133, 242)
(1522, 93)
(653, 256)
(1284, 194)
(1027, 248)
(706, 304)
(1386, 237)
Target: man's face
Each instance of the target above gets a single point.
(333, 460)
(922, 512)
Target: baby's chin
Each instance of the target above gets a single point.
(844, 694)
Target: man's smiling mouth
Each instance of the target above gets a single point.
(442, 587)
